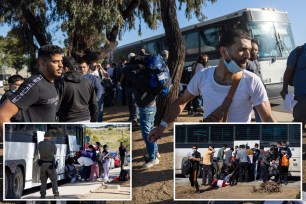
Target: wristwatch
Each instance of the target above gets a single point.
(164, 123)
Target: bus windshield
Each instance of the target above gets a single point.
(275, 39)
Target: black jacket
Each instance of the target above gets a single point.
(77, 99)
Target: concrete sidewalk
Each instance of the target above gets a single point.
(78, 190)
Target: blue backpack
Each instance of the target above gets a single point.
(160, 79)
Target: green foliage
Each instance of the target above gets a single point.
(111, 137)
(12, 51)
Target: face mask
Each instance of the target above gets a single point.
(232, 66)
(284, 146)
(194, 150)
(106, 148)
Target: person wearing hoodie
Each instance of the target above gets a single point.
(78, 102)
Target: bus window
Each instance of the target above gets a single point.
(197, 135)
(264, 32)
(273, 133)
(153, 47)
(222, 134)
(180, 134)
(209, 39)
(247, 132)
(296, 133)
(284, 36)
(191, 42)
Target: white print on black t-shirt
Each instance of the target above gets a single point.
(25, 91)
(52, 100)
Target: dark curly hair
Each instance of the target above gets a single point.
(71, 63)
(48, 50)
(228, 37)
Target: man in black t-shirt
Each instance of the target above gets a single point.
(37, 97)
(122, 151)
(195, 162)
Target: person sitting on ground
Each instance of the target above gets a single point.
(70, 171)
(86, 163)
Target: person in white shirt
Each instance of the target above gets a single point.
(86, 163)
(214, 84)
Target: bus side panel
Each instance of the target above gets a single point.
(295, 161)
(22, 151)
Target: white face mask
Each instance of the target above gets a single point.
(194, 150)
(232, 66)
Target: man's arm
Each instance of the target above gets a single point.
(176, 108)
(264, 110)
(7, 110)
(286, 79)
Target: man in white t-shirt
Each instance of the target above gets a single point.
(214, 84)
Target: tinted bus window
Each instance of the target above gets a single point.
(221, 134)
(274, 133)
(296, 133)
(247, 132)
(180, 134)
(154, 47)
(192, 43)
(209, 39)
(197, 134)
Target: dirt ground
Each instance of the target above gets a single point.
(185, 191)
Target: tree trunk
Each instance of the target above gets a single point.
(176, 55)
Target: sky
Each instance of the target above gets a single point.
(295, 9)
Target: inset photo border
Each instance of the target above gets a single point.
(22, 155)
(211, 147)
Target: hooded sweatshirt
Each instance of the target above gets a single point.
(77, 99)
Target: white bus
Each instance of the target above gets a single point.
(21, 154)
(270, 27)
(204, 135)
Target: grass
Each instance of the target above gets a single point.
(110, 136)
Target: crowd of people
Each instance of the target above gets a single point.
(92, 164)
(239, 164)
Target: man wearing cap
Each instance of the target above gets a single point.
(47, 151)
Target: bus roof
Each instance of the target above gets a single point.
(214, 20)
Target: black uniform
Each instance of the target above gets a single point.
(283, 170)
(37, 98)
(78, 100)
(195, 168)
(47, 151)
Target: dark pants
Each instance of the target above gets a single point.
(265, 170)
(283, 173)
(45, 173)
(133, 108)
(244, 172)
(122, 159)
(193, 178)
(86, 172)
(207, 174)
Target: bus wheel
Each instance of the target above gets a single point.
(17, 182)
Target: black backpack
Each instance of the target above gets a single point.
(124, 176)
(186, 168)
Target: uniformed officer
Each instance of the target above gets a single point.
(195, 162)
(47, 151)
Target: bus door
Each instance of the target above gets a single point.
(36, 168)
(73, 146)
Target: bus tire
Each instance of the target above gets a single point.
(17, 184)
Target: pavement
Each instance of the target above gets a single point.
(83, 190)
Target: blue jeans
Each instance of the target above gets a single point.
(147, 115)
(257, 116)
(133, 108)
(100, 107)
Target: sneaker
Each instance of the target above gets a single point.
(197, 114)
(99, 179)
(158, 155)
(57, 197)
(83, 179)
(197, 191)
(42, 197)
(190, 112)
(73, 180)
(150, 163)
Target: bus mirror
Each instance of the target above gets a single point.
(273, 60)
